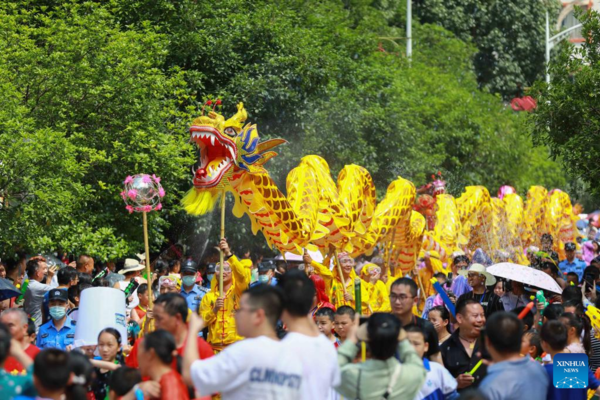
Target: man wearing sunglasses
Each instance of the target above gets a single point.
(482, 283)
(218, 309)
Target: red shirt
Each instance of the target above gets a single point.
(12, 364)
(172, 387)
(204, 351)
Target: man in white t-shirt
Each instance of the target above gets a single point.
(257, 367)
(321, 372)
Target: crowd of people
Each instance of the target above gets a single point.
(340, 328)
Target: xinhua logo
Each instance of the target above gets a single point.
(570, 371)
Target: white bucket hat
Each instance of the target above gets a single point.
(131, 265)
(489, 278)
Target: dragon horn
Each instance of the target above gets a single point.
(269, 144)
(207, 103)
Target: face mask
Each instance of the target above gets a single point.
(210, 276)
(188, 280)
(263, 278)
(57, 312)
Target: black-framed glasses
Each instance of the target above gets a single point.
(403, 297)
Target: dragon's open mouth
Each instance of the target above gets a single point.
(217, 155)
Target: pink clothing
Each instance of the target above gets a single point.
(588, 251)
(576, 347)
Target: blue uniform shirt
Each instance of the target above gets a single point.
(194, 297)
(576, 266)
(49, 338)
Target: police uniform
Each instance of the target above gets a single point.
(195, 295)
(264, 268)
(48, 336)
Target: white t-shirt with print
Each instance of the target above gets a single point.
(257, 368)
(321, 371)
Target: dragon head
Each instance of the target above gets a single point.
(216, 141)
(224, 147)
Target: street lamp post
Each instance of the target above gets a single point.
(547, 45)
(554, 40)
(409, 29)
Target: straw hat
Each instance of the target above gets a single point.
(131, 265)
(489, 278)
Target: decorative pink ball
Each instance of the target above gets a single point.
(142, 193)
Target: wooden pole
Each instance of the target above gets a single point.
(420, 284)
(222, 237)
(337, 261)
(147, 248)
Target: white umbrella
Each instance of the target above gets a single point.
(527, 275)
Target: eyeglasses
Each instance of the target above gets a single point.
(226, 269)
(394, 297)
(473, 274)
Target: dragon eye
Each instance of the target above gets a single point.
(230, 132)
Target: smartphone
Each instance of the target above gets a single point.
(485, 354)
(590, 276)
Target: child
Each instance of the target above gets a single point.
(324, 318)
(572, 279)
(31, 331)
(527, 319)
(554, 340)
(122, 381)
(139, 312)
(439, 384)
(531, 345)
(343, 320)
(155, 357)
(109, 347)
(439, 316)
(574, 326)
(51, 374)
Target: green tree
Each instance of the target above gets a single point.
(567, 119)
(116, 83)
(509, 36)
(85, 104)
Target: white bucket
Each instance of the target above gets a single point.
(99, 308)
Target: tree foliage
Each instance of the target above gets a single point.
(509, 36)
(84, 104)
(94, 91)
(567, 119)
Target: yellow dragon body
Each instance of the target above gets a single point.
(316, 213)
(319, 214)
